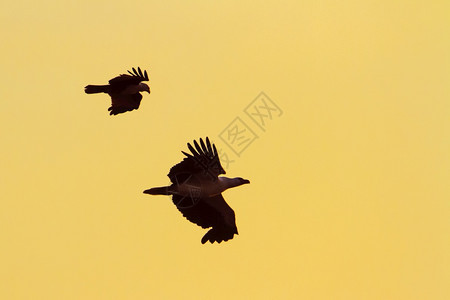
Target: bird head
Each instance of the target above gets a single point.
(242, 180)
(144, 87)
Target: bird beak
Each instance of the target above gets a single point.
(246, 181)
(147, 191)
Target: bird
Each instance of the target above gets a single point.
(196, 191)
(124, 91)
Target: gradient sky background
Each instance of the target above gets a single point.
(349, 194)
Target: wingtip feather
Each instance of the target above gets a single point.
(205, 150)
(197, 146)
(187, 154)
(192, 149)
(208, 144)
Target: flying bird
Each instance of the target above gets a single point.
(124, 91)
(196, 191)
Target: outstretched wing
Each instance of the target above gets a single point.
(122, 103)
(204, 161)
(209, 212)
(125, 80)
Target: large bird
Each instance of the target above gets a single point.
(124, 91)
(196, 190)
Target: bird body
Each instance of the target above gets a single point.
(196, 190)
(124, 91)
(205, 189)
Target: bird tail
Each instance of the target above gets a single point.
(164, 190)
(93, 89)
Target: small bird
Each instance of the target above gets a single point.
(196, 191)
(124, 91)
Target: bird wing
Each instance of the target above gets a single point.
(124, 80)
(209, 212)
(203, 163)
(122, 103)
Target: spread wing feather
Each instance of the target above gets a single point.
(123, 103)
(204, 161)
(199, 213)
(209, 212)
(124, 80)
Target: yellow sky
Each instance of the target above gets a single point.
(349, 194)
